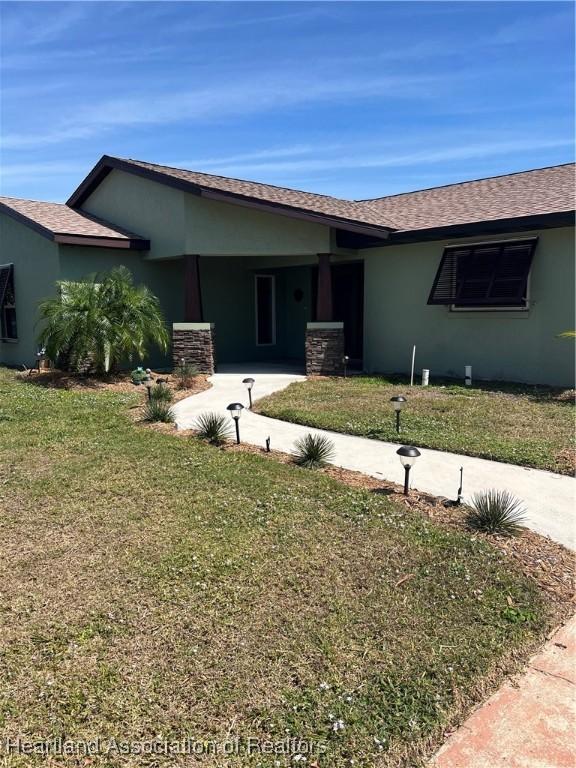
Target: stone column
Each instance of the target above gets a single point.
(324, 349)
(194, 342)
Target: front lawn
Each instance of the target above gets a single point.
(152, 587)
(519, 424)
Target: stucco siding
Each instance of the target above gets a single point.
(225, 229)
(35, 260)
(149, 209)
(512, 346)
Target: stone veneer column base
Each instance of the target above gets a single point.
(195, 343)
(325, 349)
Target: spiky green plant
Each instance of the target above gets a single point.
(101, 321)
(185, 373)
(496, 511)
(313, 451)
(161, 393)
(213, 427)
(159, 410)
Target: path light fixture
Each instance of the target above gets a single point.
(408, 455)
(235, 411)
(345, 361)
(249, 384)
(398, 402)
(149, 383)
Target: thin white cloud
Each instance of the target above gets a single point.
(350, 158)
(246, 97)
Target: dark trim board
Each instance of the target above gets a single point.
(103, 242)
(474, 229)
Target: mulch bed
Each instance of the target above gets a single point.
(120, 382)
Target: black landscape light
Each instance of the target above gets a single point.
(345, 360)
(149, 383)
(249, 384)
(235, 411)
(408, 455)
(398, 402)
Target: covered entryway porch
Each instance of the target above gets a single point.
(304, 312)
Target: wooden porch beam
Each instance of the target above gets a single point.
(324, 297)
(192, 292)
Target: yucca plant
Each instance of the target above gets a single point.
(313, 451)
(496, 511)
(158, 410)
(213, 427)
(185, 373)
(161, 393)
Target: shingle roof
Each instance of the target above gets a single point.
(268, 193)
(529, 193)
(516, 195)
(58, 221)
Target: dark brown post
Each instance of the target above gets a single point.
(324, 298)
(192, 294)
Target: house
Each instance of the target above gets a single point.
(478, 273)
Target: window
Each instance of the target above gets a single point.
(7, 303)
(265, 310)
(484, 275)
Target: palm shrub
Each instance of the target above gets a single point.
(313, 451)
(213, 427)
(100, 321)
(496, 511)
(160, 393)
(159, 410)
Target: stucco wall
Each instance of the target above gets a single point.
(35, 260)
(149, 209)
(225, 229)
(513, 346)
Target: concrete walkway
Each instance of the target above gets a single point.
(549, 498)
(527, 724)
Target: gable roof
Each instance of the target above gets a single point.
(522, 199)
(65, 225)
(307, 205)
(516, 195)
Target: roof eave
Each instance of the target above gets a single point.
(133, 244)
(550, 220)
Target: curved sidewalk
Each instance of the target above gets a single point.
(549, 498)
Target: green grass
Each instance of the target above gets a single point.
(527, 425)
(152, 585)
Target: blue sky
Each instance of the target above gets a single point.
(352, 99)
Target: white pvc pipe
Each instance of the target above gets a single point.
(425, 377)
(412, 368)
(468, 375)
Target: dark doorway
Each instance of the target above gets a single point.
(347, 305)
